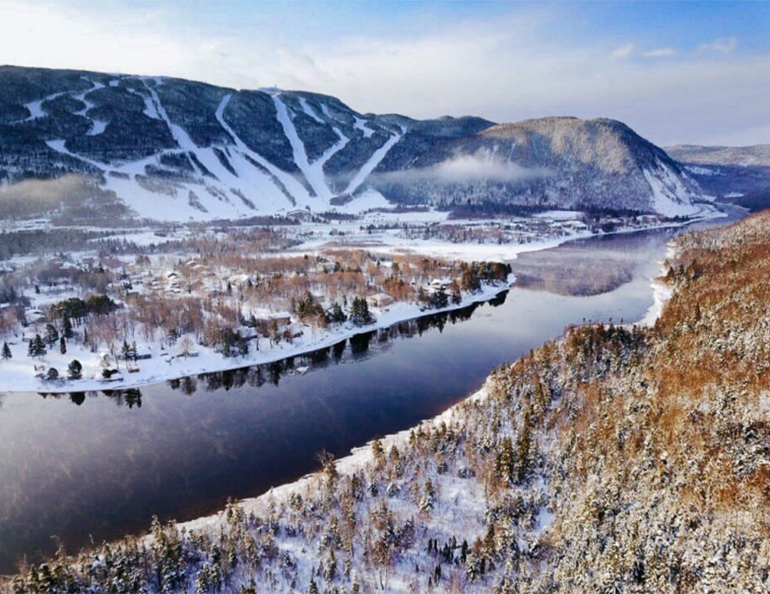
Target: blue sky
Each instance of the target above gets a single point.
(677, 72)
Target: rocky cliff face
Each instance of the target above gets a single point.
(179, 150)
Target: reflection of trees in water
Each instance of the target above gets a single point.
(130, 397)
(257, 375)
(356, 346)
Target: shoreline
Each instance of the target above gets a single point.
(362, 455)
(185, 367)
(358, 457)
(165, 367)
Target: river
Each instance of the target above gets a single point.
(90, 467)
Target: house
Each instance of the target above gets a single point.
(437, 284)
(379, 300)
(281, 319)
(34, 315)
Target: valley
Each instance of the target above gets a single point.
(207, 293)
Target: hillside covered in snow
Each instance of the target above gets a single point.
(88, 146)
(616, 459)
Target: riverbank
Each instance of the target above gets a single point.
(232, 429)
(18, 374)
(25, 374)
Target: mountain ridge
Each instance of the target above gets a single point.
(214, 152)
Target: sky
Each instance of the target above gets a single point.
(677, 72)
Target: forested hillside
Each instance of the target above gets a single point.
(168, 149)
(616, 459)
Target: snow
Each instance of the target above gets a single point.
(18, 373)
(560, 215)
(366, 200)
(661, 294)
(149, 107)
(669, 196)
(289, 182)
(309, 111)
(372, 163)
(35, 108)
(180, 136)
(361, 125)
(314, 176)
(59, 147)
(97, 128)
(697, 170)
(544, 520)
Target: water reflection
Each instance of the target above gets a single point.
(130, 397)
(581, 268)
(358, 345)
(104, 467)
(256, 376)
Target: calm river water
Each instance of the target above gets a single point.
(93, 467)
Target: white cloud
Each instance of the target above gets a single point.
(664, 52)
(468, 168)
(505, 69)
(623, 52)
(725, 45)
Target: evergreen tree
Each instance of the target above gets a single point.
(63, 345)
(359, 312)
(456, 296)
(439, 299)
(66, 327)
(36, 347)
(336, 315)
(51, 335)
(75, 369)
(6, 351)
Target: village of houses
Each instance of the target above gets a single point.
(129, 317)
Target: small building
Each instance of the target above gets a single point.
(379, 300)
(437, 284)
(34, 315)
(281, 319)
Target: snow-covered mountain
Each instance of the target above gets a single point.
(178, 150)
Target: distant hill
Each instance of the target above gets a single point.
(174, 149)
(740, 175)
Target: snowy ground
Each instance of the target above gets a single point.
(661, 292)
(18, 373)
